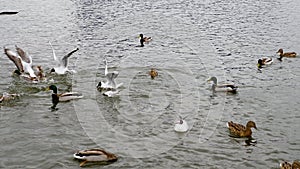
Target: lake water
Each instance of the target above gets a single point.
(192, 40)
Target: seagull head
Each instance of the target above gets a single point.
(52, 70)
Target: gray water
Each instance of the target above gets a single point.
(192, 40)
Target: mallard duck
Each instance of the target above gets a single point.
(94, 155)
(286, 165)
(62, 65)
(287, 54)
(264, 61)
(239, 130)
(181, 125)
(222, 87)
(62, 97)
(144, 39)
(110, 82)
(6, 97)
(153, 73)
(23, 63)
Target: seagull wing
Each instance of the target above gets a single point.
(65, 58)
(23, 55)
(13, 57)
(54, 55)
(111, 80)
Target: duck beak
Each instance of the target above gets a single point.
(47, 89)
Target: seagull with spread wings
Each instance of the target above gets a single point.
(62, 64)
(110, 82)
(22, 61)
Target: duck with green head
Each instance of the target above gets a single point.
(264, 61)
(62, 97)
(94, 155)
(222, 87)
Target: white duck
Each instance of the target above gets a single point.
(62, 65)
(181, 125)
(22, 61)
(110, 82)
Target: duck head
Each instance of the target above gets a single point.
(280, 52)
(251, 124)
(52, 70)
(213, 79)
(259, 63)
(53, 88)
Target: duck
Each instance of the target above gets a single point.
(6, 97)
(110, 82)
(144, 39)
(153, 73)
(287, 54)
(181, 125)
(62, 97)
(23, 63)
(222, 87)
(94, 155)
(40, 73)
(264, 61)
(239, 130)
(287, 165)
(62, 64)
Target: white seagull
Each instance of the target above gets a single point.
(110, 82)
(22, 61)
(62, 65)
(181, 125)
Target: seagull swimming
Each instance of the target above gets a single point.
(62, 65)
(110, 82)
(22, 61)
(181, 125)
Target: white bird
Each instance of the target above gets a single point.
(111, 93)
(62, 65)
(22, 61)
(181, 125)
(110, 82)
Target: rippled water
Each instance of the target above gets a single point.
(192, 40)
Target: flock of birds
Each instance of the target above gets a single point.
(110, 88)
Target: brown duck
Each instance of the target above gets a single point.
(95, 155)
(153, 73)
(240, 130)
(286, 165)
(287, 54)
